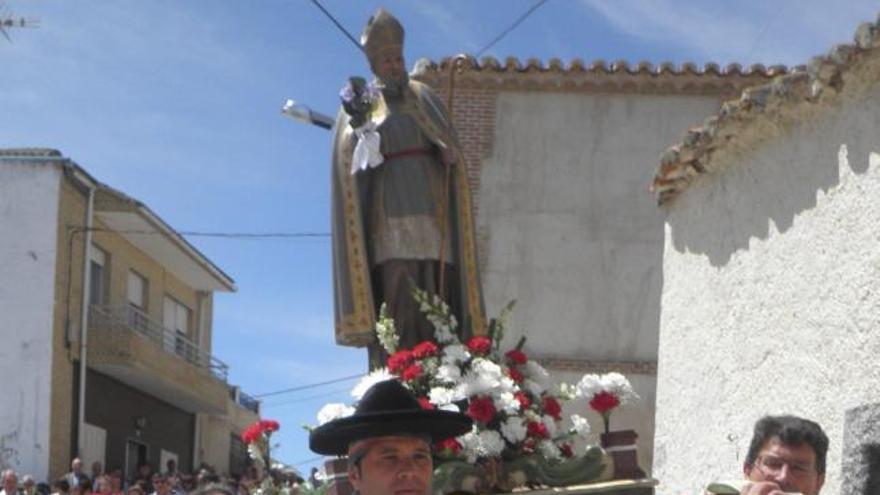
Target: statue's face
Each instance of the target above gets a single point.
(388, 65)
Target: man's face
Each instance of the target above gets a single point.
(76, 465)
(162, 485)
(388, 64)
(10, 483)
(394, 466)
(793, 468)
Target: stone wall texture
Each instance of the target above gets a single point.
(771, 296)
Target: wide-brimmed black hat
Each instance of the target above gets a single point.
(387, 409)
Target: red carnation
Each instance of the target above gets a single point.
(566, 450)
(269, 425)
(449, 447)
(426, 403)
(523, 399)
(480, 345)
(552, 407)
(251, 433)
(537, 429)
(412, 372)
(481, 409)
(604, 401)
(515, 375)
(425, 349)
(517, 356)
(398, 361)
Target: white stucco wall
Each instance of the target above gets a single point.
(771, 297)
(572, 233)
(29, 196)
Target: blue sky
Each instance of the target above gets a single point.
(178, 104)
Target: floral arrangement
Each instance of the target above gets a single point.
(258, 437)
(605, 393)
(515, 410)
(358, 98)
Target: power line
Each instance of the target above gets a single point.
(305, 387)
(511, 27)
(334, 21)
(194, 233)
(300, 400)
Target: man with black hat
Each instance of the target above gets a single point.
(388, 440)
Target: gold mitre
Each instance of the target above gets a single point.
(382, 31)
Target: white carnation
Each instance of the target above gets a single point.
(442, 396)
(448, 373)
(514, 429)
(491, 443)
(334, 411)
(379, 375)
(580, 425)
(456, 353)
(589, 385)
(483, 378)
(449, 407)
(534, 387)
(549, 450)
(537, 372)
(619, 386)
(550, 423)
(506, 402)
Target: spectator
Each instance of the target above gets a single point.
(10, 483)
(43, 488)
(135, 489)
(76, 476)
(28, 484)
(145, 475)
(116, 482)
(787, 454)
(102, 486)
(161, 484)
(171, 467)
(97, 470)
(61, 486)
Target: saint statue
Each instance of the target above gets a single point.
(401, 204)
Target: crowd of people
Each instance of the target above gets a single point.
(144, 482)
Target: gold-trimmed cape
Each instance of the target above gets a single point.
(354, 307)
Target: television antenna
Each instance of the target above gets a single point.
(9, 21)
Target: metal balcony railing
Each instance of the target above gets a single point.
(129, 318)
(244, 400)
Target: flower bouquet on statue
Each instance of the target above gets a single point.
(518, 437)
(604, 394)
(359, 100)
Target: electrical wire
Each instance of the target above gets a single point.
(226, 235)
(300, 400)
(511, 27)
(306, 387)
(338, 25)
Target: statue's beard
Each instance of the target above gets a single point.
(393, 88)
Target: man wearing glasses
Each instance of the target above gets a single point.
(787, 455)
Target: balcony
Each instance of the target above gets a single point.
(125, 344)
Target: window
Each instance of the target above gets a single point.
(175, 318)
(137, 301)
(137, 290)
(98, 268)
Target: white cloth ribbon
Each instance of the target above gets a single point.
(366, 151)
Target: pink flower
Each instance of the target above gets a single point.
(269, 425)
(426, 403)
(566, 450)
(523, 399)
(449, 447)
(515, 375)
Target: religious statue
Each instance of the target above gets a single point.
(401, 204)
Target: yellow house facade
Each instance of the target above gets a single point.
(114, 309)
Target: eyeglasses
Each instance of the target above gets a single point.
(771, 466)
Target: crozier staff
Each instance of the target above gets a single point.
(388, 440)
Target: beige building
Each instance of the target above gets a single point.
(106, 307)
